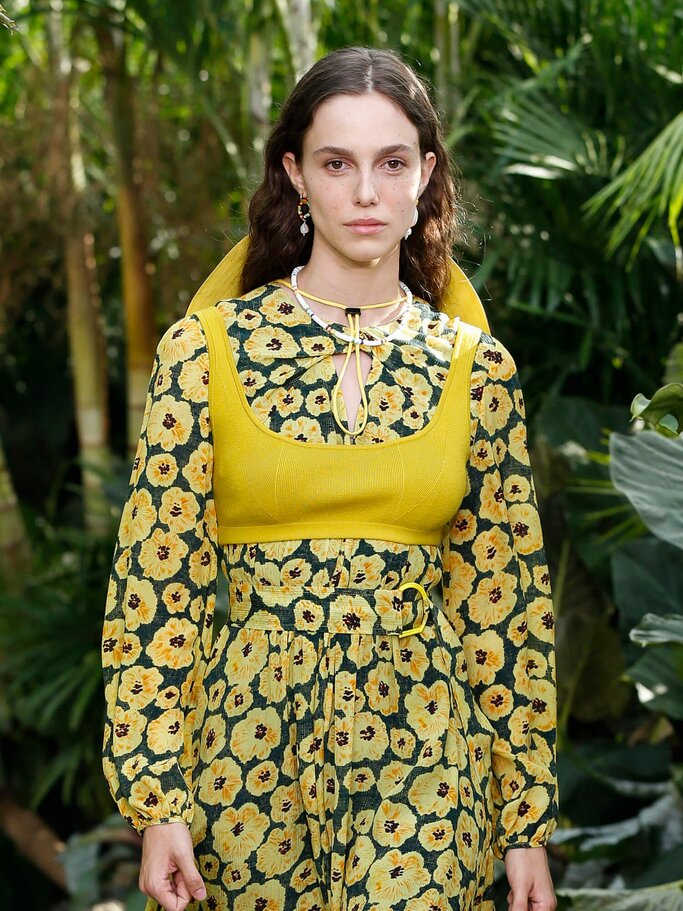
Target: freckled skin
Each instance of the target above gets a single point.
(365, 182)
(359, 185)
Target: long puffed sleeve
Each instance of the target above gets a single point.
(497, 596)
(162, 591)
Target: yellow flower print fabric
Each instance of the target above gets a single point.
(497, 596)
(318, 769)
(161, 594)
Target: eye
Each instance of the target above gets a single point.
(334, 161)
(396, 163)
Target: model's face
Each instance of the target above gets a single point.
(361, 162)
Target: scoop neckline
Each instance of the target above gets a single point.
(316, 444)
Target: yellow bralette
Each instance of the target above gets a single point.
(268, 487)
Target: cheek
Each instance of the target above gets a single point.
(405, 206)
(325, 199)
(403, 194)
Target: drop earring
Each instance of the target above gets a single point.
(413, 222)
(304, 213)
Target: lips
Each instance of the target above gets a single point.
(361, 222)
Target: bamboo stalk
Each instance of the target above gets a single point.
(138, 293)
(86, 342)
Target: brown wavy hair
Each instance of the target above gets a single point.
(276, 244)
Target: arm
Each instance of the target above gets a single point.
(497, 595)
(162, 590)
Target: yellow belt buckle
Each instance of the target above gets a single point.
(425, 599)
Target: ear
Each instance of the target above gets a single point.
(428, 165)
(293, 171)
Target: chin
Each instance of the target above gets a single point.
(367, 249)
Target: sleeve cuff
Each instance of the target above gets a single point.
(142, 824)
(539, 839)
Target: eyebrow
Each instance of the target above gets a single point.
(386, 150)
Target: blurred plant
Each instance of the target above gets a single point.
(51, 673)
(664, 411)
(5, 20)
(647, 467)
(634, 785)
(102, 865)
(572, 154)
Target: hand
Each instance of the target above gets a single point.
(531, 886)
(168, 873)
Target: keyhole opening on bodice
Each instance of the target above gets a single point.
(349, 385)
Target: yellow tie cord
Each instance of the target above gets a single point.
(354, 329)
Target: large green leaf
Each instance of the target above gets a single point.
(647, 577)
(658, 825)
(664, 818)
(590, 668)
(574, 419)
(659, 898)
(655, 630)
(542, 141)
(648, 469)
(664, 411)
(658, 676)
(663, 869)
(674, 365)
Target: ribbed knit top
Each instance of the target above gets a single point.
(271, 487)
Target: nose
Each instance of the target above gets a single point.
(366, 190)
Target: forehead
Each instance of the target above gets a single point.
(360, 122)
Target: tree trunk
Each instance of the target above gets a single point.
(455, 66)
(300, 33)
(33, 838)
(14, 543)
(138, 293)
(86, 340)
(260, 96)
(441, 55)
(447, 48)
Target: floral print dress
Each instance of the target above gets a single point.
(323, 771)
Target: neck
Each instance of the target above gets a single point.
(355, 284)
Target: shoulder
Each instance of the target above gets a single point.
(182, 341)
(496, 397)
(268, 302)
(493, 361)
(253, 299)
(186, 337)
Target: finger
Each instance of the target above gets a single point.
(166, 894)
(520, 900)
(542, 899)
(191, 877)
(182, 887)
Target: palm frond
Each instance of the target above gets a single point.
(6, 21)
(542, 141)
(651, 187)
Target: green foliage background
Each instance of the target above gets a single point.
(565, 121)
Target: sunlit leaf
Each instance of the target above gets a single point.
(648, 469)
(667, 402)
(658, 898)
(655, 630)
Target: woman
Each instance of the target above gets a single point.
(376, 719)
